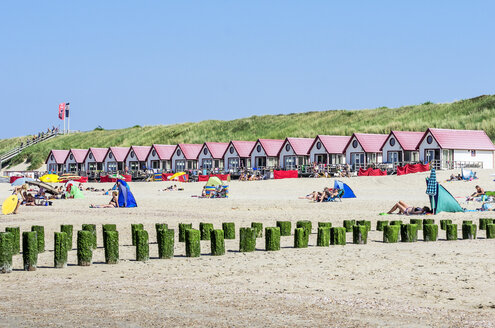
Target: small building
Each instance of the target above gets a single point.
(237, 155)
(211, 155)
(400, 147)
(160, 157)
(136, 158)
(75, 160)
(294, 152)
(185, 157)
(328, 150)
(461, 147)
(265, 153)
(95, 159)
(115, 159)
(55, 162)
(363, 149)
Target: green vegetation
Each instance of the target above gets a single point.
(451, 231)
(490, 231)
(182, 231)
(300, 238)
(105, 228)
(92, 228)
(285, 227)
(323, 238)
(68, 229)
(476, 113)
(348, 224)
(483, 223)
(60, 250)
(247, 240)
(258, 226)
(391, 233)
(16, 241)
(142, 246)
(40, 234)
(418, 222)
(380, 224)
(111, 244)
(229, 230)
(85, 240)
(193, 244)
(205, 229)
(430, 232)
(324, 224)
(165, 241)
(272, 238)
(337, 236)
(365, 223)
(444, 223)
(408, 233)
(135, 227)
(30, 250)
(6, 240)
(217, 242)
(360, 234)
(469, 231)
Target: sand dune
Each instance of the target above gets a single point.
(443, 283)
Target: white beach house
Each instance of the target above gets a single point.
(294, 152)
(75, 160)
(185, 157)
(136, 158)
(364, 149)
(95, 159)
(236, 155)
(115, 159)
(328, 150)
(55, 162)
(211, 155)
(160, 157)
(401, 147)
(265, 153)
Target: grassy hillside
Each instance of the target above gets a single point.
(476, 113)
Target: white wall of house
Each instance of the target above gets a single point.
(484, 156)
(215, 163)
(351, 149)
(288, 151)
(176, 158)
(260, 152)
(315, 151)
(424, 145)
(71, 164)
(388, 148)
(90, 159)
(132, 162)
(233, 155)
(110, 163)
(161, 164)
(52, 166)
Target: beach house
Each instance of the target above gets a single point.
(401, 147)
(95, 158)
(185, 157)
(328, 149)
(75, 160)
(237, 155)
(294, 152)
(211, 155)
(265, 153)
(453, 148)
(55, 162)
(160, 156)
(363, 149)
(136, 158)
(115, 159)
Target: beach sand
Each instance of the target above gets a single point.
(439, 284)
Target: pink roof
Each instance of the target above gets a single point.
(98, 154)
(79, 154)
(141, 152)
(164, 152)
(271, 146)
(58, 155)
(371, 143)
(243, 148)
(461, 139)
(191, 151)
(300, 146)
(217, 149)
(333, 144)
(120, 153)
(408, 140)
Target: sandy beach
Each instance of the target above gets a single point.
(438, 284)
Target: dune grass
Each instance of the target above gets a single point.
(476, 113)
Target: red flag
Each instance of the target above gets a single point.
(61, 111)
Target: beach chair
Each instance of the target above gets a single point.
(335, 198)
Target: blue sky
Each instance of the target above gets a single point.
(122, 63)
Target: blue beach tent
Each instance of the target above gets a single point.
(348, 193)
(126, 198)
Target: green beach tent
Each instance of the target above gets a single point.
(76, 193)
(440, 199)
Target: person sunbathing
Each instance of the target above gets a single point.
(479, 192)
(114, 202)
(408, 210)
(29, 199)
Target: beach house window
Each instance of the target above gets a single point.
(260, 161)
(178, 152)
(92, 166)
(205, 151)
(392, 142)
(72, 167)
(192, 165)
(393, 157)
(134, 166)
(164, 165)
(287, 147)
(155, 164)
(318, 145)
(207, 164)
(216, 164)
(231, 150)
(112, 166)
(71, 157)
(357, 159)
(110, 155)
(52, 167)
(371, 158)
(233, 163)
(51, 157)
(354, 144)
(180, 165)
(99, 166)
(90, 156)
(429, 140)
(473, 153)
(153, 153)
(258, 148)
(321, 159)
(132, 154)
(290, 162)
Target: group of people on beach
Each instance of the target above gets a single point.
(325, 195)
(246, 176)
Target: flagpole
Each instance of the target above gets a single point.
(68, 117)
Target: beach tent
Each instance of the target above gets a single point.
(468, 175)
(214, 181)
(348, 193)
(126, 198)
(75, 192)
(440, 199)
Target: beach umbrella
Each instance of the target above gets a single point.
(49, 178)
(214, 181)
(176, 175)
(432, 185)
(117, 176)
(21, 181)
(9, 205)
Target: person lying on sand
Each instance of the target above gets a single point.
(171, 188)
(455, 178)
(408, 210)
(479, 192)
(114, 202)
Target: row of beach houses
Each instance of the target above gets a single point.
(441, 146)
